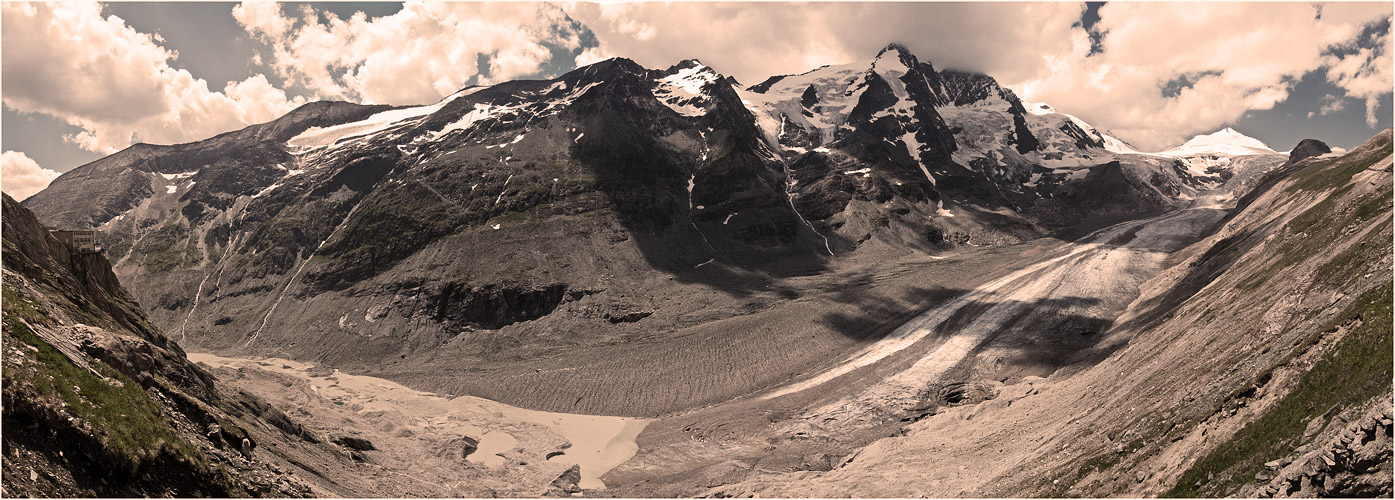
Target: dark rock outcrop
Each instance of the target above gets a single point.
(468, 446)
(1308, 148)
(1354, 463)
(494, 306)
(354, 443)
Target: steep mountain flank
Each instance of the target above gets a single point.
(98, 402)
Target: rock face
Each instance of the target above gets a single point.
(98, 402)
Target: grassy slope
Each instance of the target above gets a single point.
(1359, 367)
(115, 405)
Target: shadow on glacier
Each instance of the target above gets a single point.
(1027, 337)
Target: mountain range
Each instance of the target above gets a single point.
(773, 277)
(499, 205)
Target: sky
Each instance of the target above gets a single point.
(79, 81)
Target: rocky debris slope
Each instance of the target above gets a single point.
(1280, 319)
(1355, 462)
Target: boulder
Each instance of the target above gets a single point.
(818, 462)
(354, 443)
(468, 445)
(215, 435)
(569, 482)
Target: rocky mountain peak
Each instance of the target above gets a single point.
(1308, 148)
(686, 64)
(686, 87)
(965, 88)
(609, 69)
(897, 49)
(895, 61)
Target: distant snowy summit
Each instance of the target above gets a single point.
(1227, 142)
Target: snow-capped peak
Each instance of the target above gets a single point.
(682, 89)
(893, 51)
(1223, 142)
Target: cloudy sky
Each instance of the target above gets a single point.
(80, 81)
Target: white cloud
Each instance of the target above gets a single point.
(1331, 104)
(592, 55)
(21, 176)
(262, 17)
(115, 83)
(1365, 74)
(417, 55)
(1148, 45)
(752, 41)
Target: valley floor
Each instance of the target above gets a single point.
(418, 440)
(892, 342)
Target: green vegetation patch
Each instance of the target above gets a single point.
(1348, 264)
(117, 243)
(276, 245)
(1311, 232)
(124, 414)
(1357, 369)
(193, 255)
(392, 224)
(21, 306)
(161, 248)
